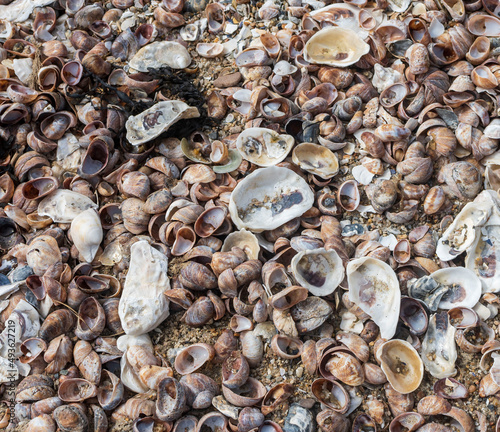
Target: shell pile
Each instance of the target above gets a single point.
(249, 216)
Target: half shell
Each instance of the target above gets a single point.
(318, 270)
(268, 198)
(154, 121)
(374, 288)
(63, 205)
(263, 147)
(335, 46)
(316, 159)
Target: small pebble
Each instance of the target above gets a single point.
(299, 372)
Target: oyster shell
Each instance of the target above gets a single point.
(447, 288)
(86, 233)
(374, 288)
(316, 159)
(63, 205)
(268, 198)
(318, 270)
(482, 257)
(335, 46)
(161, 54)
(264, 147)
(155, 120)
(20, 10)
(461, 234)
(439, 351)
(142, 305)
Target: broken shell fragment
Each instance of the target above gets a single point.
(335, 46)
(154, 121)
(268, 198)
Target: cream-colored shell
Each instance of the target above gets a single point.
(264, 147)
(244, 240)
(155, 120)
(335, 46)
(142, 305)
(160, 54)
(128, 375)
(63, 205)
(20, 10)
(268, 198)
(86, 233)
(374, 288)
(318, 270)
(402, 365)
(316, 159)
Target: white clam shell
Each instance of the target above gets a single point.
(142, 305)
(155, 120)
(63, 205)
(160, 54)
(268, 198)
(318, 270)
(263, 147)
(86, 233)
(374, 288)
(335, 46)
(209, 50)
(439, 351)
(465, 287)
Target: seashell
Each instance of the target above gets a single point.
(309, 314)
(215, 17)
(76, 390)
(110, 391)
(159, 54)
(193, 357)
(335, 47)
(199, 389)
(286, 347)
(408, 420)
(275, 397)
(200, 312)
(299, 419)
(41, 423)
(70, 418)
(382, 194)
(209, 50)
(316, 159)
(251, 347)
(91, 319)
(374, 287)
(197, 277)
(62, 206)
(263, 147)
(235, 370)
(142, 304)
(87, 361)
(34, 388)
(402, 365)
(244, 240)
(213, 421)
(56, 324)
(86, 233)
(318, 270)
(288, 297)
(188, 422)
(295, 198)
(249, 419)
(483, 25)
(330, 421)
(171, 399)
(438, 348)
(331, 394)
(147, 125)
(450, 388)
(249, 394)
